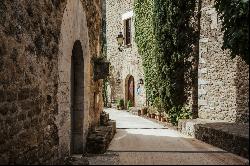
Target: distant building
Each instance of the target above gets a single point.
(221, 91)
(127, 80)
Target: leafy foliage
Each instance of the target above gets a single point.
(105, 93)
(174, 39)
(165, 37)
(235, 16)
(120, 103)
(145, 39)
(152, 110)
(103, 52)
(158, 104)
(177, 113)
(129, 104)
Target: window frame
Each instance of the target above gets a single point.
(128, 25)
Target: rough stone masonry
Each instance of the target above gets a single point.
(36, 43)
(223, 84)
(220, 88)
(125, 63)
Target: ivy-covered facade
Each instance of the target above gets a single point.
(181, 44)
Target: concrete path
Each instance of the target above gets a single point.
(139, 141)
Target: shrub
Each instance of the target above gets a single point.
(129, 104)
(158, 105)
(152, 110)
(235, 18)
(120, 104)
(177, 113)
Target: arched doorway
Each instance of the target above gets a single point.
(73, 28)
(77, 98)
(130, 90)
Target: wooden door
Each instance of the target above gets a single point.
(131, 90)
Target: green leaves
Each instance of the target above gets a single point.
(235, 16)
(164, 39)
(144, 36)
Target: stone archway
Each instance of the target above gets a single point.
(130, 90)
(73, 39)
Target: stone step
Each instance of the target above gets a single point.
(99, 140)
(232, 137)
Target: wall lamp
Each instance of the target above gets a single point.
(120, 40)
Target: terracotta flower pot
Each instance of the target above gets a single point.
(143, 111)
(163, 119)
(159, 117)
(139, 112)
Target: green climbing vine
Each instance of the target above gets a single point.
(104, 54)
(235, 18)
(174, 39)
(145, 39)
(165, 37)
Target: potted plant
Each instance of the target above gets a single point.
(139, 112)
(120, 104)
(149, 112)
(117, 104)
(163, 118)
(159, 107)
(158, 116)
(144, 111)
(154, 111)
(129, 104)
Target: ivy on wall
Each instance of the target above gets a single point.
(165, 38)
(145, 39)
(235, 16)
(104, 52)
(174, 39)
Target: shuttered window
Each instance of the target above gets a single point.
(127, 28)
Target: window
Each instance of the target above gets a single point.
(127, 27)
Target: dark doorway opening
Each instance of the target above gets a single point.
(77, 98)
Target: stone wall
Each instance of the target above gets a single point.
(242, 91)
(232, 137)
(125, 63)
(223, 83)
(34, 93)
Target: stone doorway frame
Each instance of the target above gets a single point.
(73, 28)
(126, 89)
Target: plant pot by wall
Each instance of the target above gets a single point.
(163, 119)
(159, 117)
(139, 112)
(153, 116)
(143, 111)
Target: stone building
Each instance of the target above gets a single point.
(126, 64)
(48, 98)
(220, 89)
(223, 84)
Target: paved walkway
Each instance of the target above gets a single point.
(139, 141)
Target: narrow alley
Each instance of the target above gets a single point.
(139, 141)
(124, 82)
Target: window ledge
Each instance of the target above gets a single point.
(128, 46)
